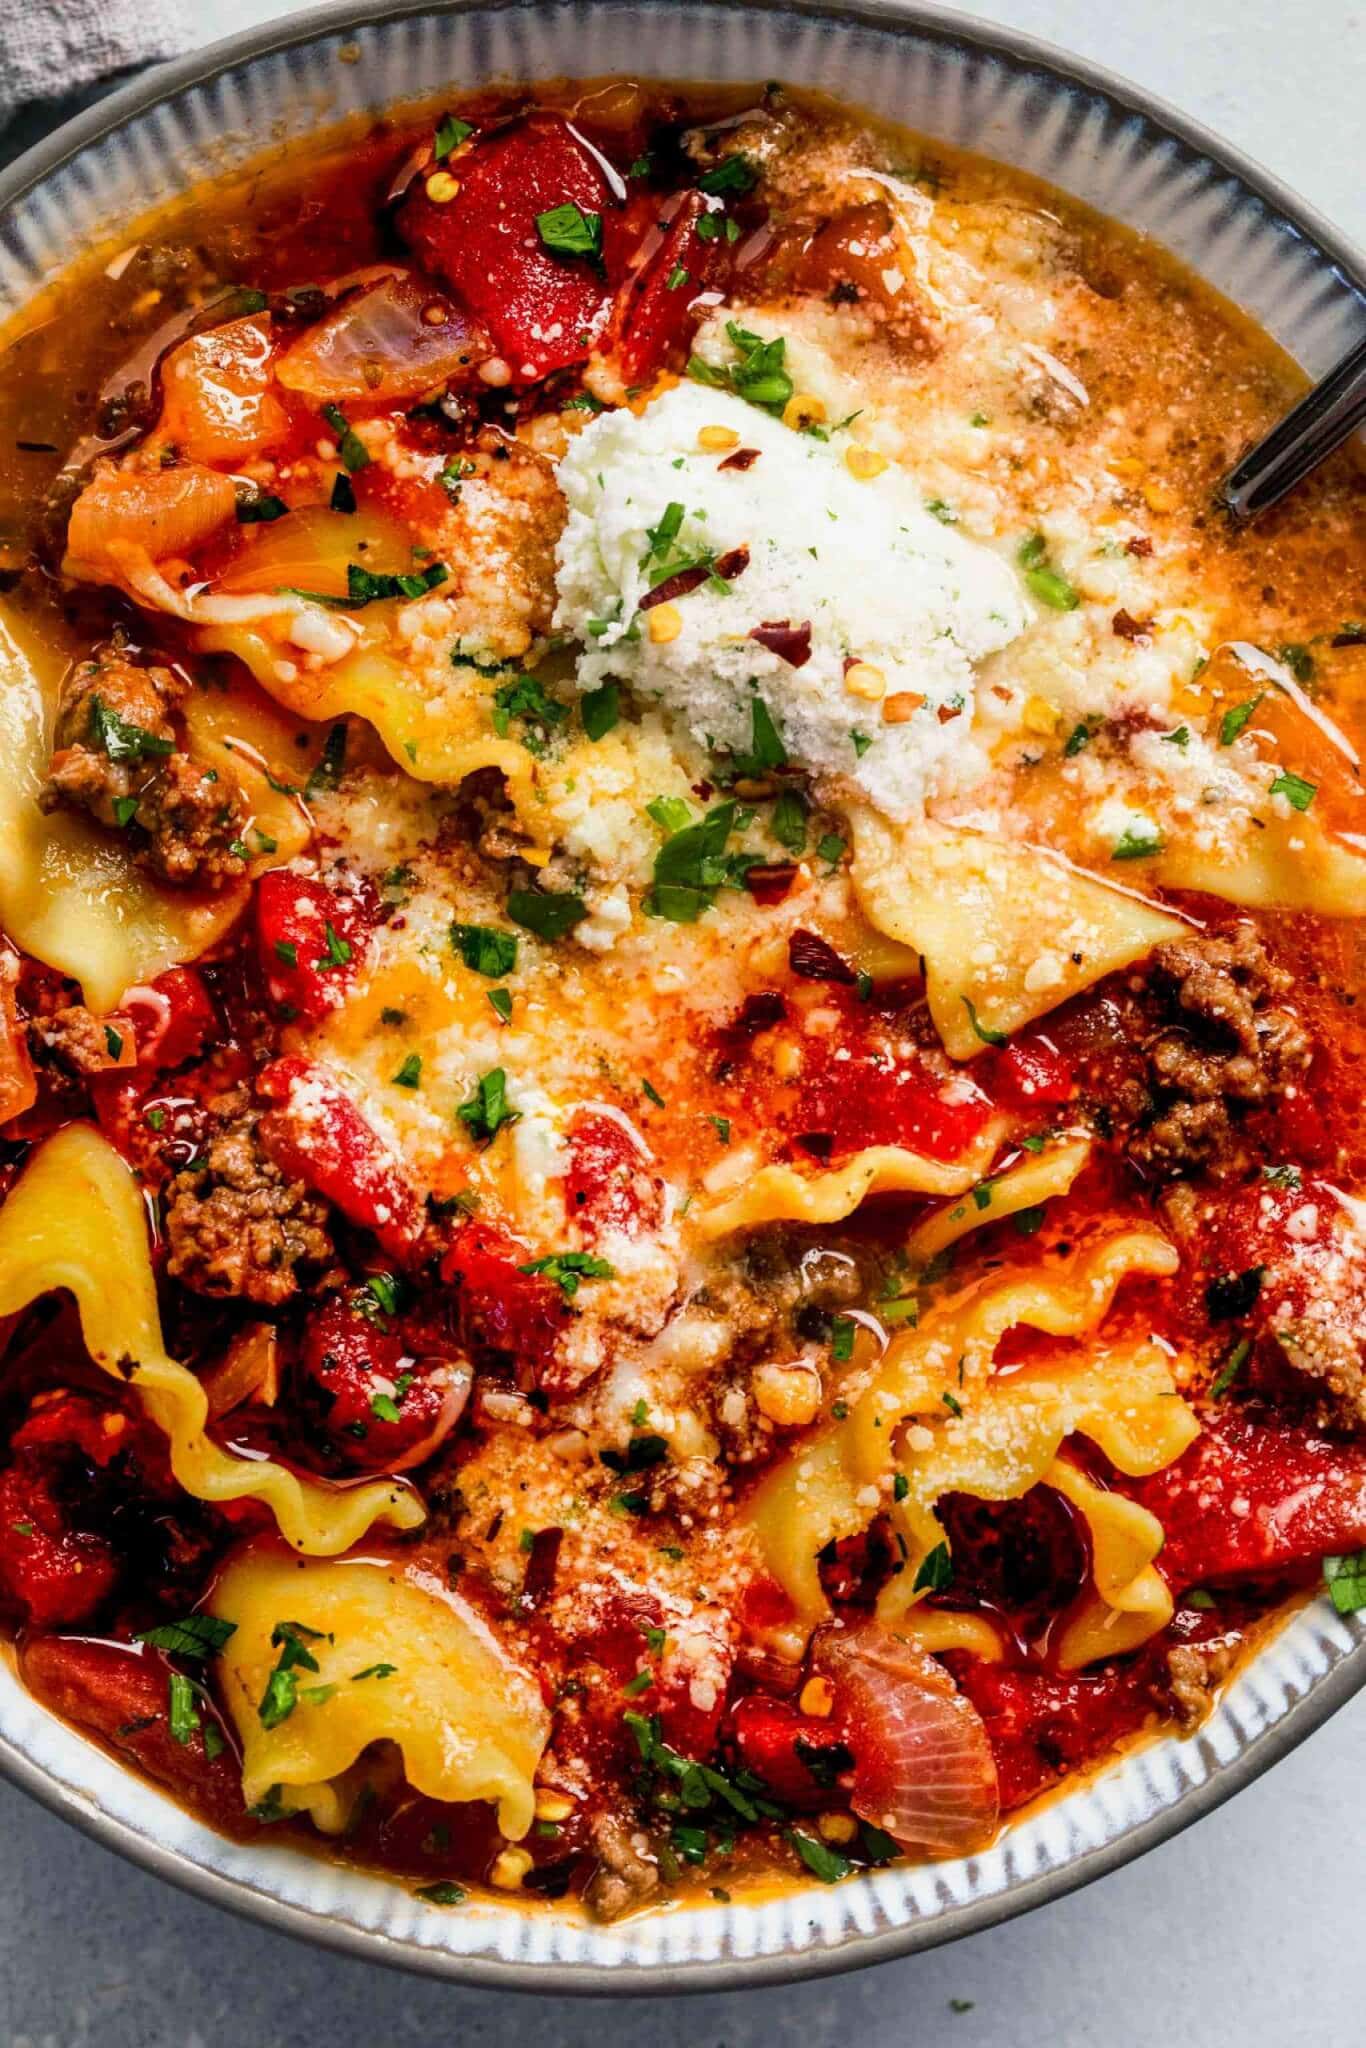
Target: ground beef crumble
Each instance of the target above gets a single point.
(1225, 1046)
(117, 758)
(236, 1226)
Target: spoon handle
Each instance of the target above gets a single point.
(1320, 423)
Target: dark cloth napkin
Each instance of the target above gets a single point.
(57, 56)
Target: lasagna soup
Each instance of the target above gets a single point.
(681, 1048)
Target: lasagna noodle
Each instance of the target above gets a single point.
(1036, 1179)
(1290, 864)
(1009, 1431)
(76, 1221)
(780, 1194)
(1128, 1600)
(1005, 932)
(401, 1659)
(436, 737)
(69, 894)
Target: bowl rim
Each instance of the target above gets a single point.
(1270, 1744)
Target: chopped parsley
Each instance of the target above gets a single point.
(182, 1716)
(484, 949)
(375, 1671)
(445, 1893)
(691, 867)
(338, 953)
(487, 1111)
(451, 132)
(353, 451)
(600, 710)
(1231, 1368)
(343, 497)
(365, 586)
(823, 1862)
(548, 916)
(569, 1269)
(788, 823)
(1044, 582)
(452, 474)
(567, 230)
(936, 1570)
(1079, 737)
(842, 1339)
(281, 1694)
(1345, 1578)
(1233, 720)
(119, 740)
(985, 1032)
(501, 1000)
(1132, 845)
(733, 177)
(1298, 793)
(328, 770)
(409, 1074)
(260, 508)
(524, 698)
(194, 1635)
(759, 373)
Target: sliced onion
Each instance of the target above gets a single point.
(164, 512)
(455, 1378)
(394, 341)
(924, 1769)
(249, 1370)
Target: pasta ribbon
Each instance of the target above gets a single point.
(437, 737)
(1290, 864)
(780, 1194)
(76, 1220)
(995, 1436)
(1005, 932)
(1130, 1599)
(401, 1659)
(1036, 1179)
(69, 894)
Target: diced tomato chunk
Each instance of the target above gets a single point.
(502, 1310)
(609, 1184)
(317, 1135)
(390, 1392)
(873, 1098)
(312, 940)
(1040, 1727)
(57, 1573)
(119, 1692)
(1031, 1073)
(798, 1756)
(173, 1018)
(660, 304)
(545, 311)
(1252, 1496)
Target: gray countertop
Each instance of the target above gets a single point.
(1244, 1923)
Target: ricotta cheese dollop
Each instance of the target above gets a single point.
(879, 581)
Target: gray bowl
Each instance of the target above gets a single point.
(986, 89)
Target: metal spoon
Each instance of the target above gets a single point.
(1320, 423)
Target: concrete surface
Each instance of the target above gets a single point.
(1240, 1929)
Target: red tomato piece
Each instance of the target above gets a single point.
(173, 1018)
(660, 304)
(1031, 1073)
(609, 1184)
(1041, 1727)
(517, 1315)
(798, 1756)
(311, 941)
(1254, 1496)
(58, 1574)
(874, 1098)
(118, 1692)
(392, 1398)
(318, 1136)
(544, 311)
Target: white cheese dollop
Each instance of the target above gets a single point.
(878, 578)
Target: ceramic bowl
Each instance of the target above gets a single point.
(961, 82)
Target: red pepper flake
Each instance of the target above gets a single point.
(759, 1012)
(733, 563)
(743, 458)
(675, 586)
(769, 881)
(1126, 627)
(948, 712)
(790, 643)
(1138, 544)
(815, 959)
